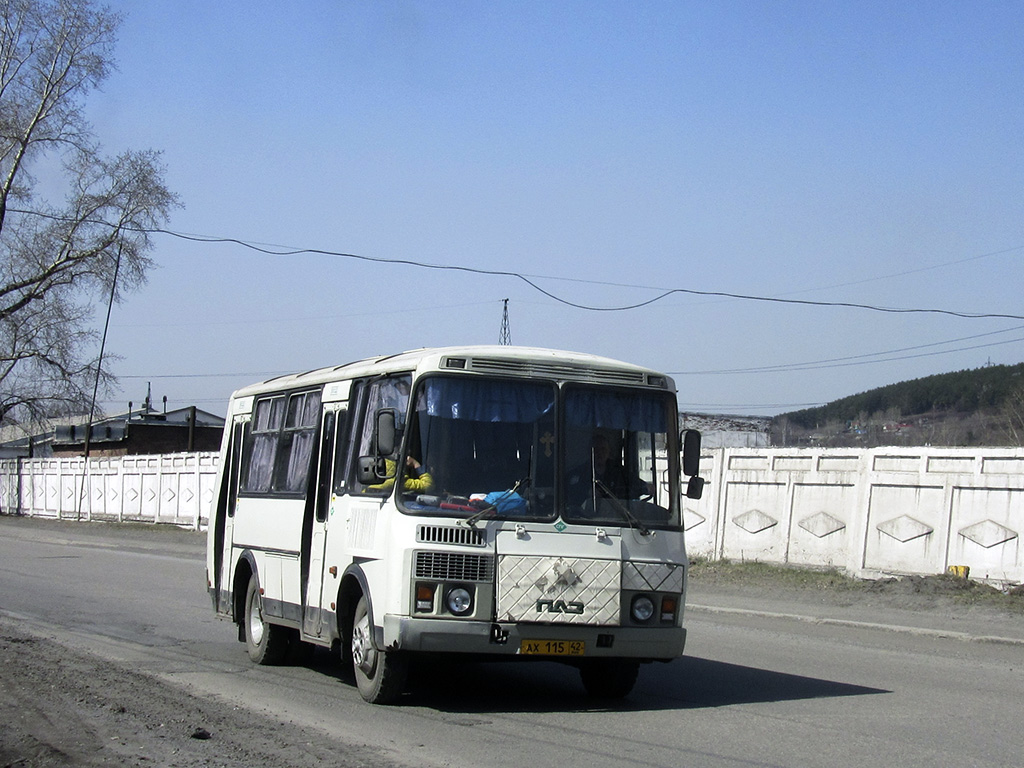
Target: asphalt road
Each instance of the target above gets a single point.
(762, 684)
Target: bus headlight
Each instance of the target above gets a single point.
(642, 608)
(459, 601)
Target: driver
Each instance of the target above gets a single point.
(603, 475)
(415, 480)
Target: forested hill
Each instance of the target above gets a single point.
(964, 392)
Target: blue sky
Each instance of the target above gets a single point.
(856, 152)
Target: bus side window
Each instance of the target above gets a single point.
(347, 439)
(261, 445)
(278, 444)
(298, 437)
(341, 452)
(374, 395)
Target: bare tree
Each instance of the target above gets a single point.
(1013, 412)
(57, 258)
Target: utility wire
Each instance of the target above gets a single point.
(886, 359)
(839, 362)
(289, 251)
(286, 251)
(842, 361)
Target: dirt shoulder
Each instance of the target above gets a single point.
(64, 708)
(59, 707)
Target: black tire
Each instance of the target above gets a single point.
(380, 675)
(609, 678)
(266, 643)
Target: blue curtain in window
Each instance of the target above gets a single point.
(634, 412)
(486, 401)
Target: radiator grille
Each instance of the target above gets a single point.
(441, 534)
(454, 566)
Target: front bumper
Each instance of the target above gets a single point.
(487, 638)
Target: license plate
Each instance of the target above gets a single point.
(552, 647)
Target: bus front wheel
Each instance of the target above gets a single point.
(266, 643)
(609, 678)
(380, 675)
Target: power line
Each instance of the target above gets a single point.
(278, 250)
(841, 362)
(249, 321)
(289, 251)
(915, 271)
(256, 375)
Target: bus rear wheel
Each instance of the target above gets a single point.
(380, 675)
(609, 678)
(266, 643)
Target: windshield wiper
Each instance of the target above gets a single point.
(493, 506)
(632, 519)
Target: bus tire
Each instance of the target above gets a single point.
(266, 643)
(609, 678)
(380, 675)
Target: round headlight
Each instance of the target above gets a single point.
(460, 601)
(643, 608)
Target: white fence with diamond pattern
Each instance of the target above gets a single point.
(868, 512)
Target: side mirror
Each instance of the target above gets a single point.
(691, 453)
(371, 470)
(695, 487)
(384, 432)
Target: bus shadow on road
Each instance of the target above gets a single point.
(698, 683)
(687, 683)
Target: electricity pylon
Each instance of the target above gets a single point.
(505, 337)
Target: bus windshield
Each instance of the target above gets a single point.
(488, 445)
(501, 448)
(620, 458)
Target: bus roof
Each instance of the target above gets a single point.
(492, 359)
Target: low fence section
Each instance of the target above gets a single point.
(868, 512)
(172, 488)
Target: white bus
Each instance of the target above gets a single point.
(493, 501)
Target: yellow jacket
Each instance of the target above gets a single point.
(421, 482)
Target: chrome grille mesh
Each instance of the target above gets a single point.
(454, 566)
(445, 534)
(557, 370)
(653, 577)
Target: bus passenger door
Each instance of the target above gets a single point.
(312, 622)
(224, 532)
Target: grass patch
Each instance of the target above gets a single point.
(910, 591)
(751, 572)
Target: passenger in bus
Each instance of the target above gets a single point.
(415, 480)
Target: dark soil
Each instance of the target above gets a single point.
(60, 709)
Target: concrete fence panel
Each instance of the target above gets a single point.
(172, 488)
(868, 512)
